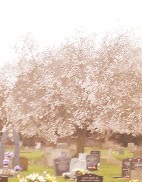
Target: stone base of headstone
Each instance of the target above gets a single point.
(3, 179)
(136, 175)
(24, 163)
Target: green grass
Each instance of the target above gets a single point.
(108, 171)
(126, 154)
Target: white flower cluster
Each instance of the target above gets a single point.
(35, 177)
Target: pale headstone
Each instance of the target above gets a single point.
(82, 156)
(72, 149)
(48, 157)
(110, 151)
(62, 146)
(38, 146)
(73, 164)
(77, 164)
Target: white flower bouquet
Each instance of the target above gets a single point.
(35, 177)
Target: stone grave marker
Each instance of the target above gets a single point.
(131, 145)
(91, 162)
(97, 155)
(48, 158)
(77, 164)
(24, 163)
(137, 154)
(121, 150)
(16, 160)
(90, 178)
(126, 168)
(2, 147)
(16, 139)
(136, 164)
(61, 164)
(73, 164)
(38, 146)
(72, 149)
(62, 146)
(82, 156)
(136, 169)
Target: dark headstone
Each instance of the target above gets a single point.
(97, 155)
(91, 162)
(3, 179)
(61, 165)
(90, 178)
(24, 163)
(126, 168)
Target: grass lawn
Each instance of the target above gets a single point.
(107, 170)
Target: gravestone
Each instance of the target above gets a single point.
(16, 139)
(3, 179)
(92, 163)
(57, 152)
(121, 150)
(137, 153)
(77, 164)
(72, 149)
(48, 158)
(62, 146)
(16, 160)
(126, 168)
(82, 156)
(61, 164)
(97, 156)
(136, 169)
(131, 145)
(24, 163)
(110, 151)
(38, 146)
(136, 164)
(90, 178)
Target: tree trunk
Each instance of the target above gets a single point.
(81, 136)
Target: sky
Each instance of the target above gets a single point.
(51, 21)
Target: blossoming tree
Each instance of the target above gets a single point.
(78, 87)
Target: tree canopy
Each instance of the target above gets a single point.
(81, 85)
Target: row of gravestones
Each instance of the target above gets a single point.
(63, 164)
(132, 168)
